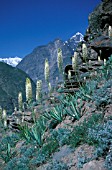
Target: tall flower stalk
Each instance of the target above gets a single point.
(4, 114)
(84, 52)
(49, 88)
(46, 70)
(110, 31)
(99, 59)
(20, 101)
(74, 61)
(0, 112)
(4, 117)
(69, 74)
(28, 90)
(60, 61)
(39, 90)
(105, 62)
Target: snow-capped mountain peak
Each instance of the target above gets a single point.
(78, 37)
(74, 41)
(13, 61)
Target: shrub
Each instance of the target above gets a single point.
(80, 133)
(57, 166)
(61, 135)
(101, 137)
(45, 152)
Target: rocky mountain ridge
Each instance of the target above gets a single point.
(33, 64)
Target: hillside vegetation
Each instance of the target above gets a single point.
(12, 81)
(75, 132)
(70, 127)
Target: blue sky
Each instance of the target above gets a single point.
(26, 24)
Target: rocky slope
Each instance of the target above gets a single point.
(97, 40)
(33, 64)
(12, 81)
(96, 36)
(63, 141)
(78, 132)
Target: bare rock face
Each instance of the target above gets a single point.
(97, 36)
(97, 40)
(100, 18)
(94, 165)
(103, 43)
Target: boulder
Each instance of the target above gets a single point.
(103, 43)
(94, 165)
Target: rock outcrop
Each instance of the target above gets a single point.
(97, 40)
(97, 33)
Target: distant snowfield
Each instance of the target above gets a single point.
(11, 61)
